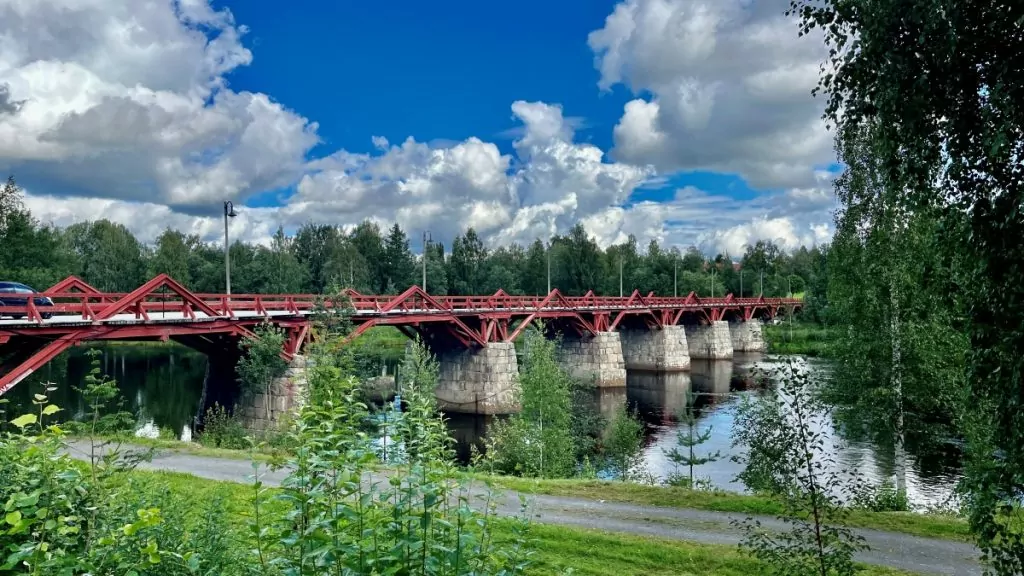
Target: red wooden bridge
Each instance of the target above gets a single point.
(162, 309)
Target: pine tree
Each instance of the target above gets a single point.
(686, 440)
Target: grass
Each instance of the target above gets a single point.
(931, 525)
(556, 548)
(800, 338)
(262, 453)
(946, 527)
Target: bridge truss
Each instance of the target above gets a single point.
(162, 309)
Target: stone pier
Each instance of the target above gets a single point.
(656, 350)
(597, 359)
(747, 337)
(479, 380)
(710, 341)
(268, 409)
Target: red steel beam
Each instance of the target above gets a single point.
(34, 362)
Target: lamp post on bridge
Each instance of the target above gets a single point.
(426, 245)
(548, 254)
(229, 212)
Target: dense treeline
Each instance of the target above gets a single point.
(376, 261)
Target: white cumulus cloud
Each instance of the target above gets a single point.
(723, 85)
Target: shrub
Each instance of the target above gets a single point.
(538, 441)
(420, 521)
(221, 429)
(622, 445)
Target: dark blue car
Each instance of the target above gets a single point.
(17, 294)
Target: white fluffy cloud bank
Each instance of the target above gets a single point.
(120, 109)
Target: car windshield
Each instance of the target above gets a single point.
(22, 290)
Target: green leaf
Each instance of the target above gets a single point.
(13, 518)
(51, 409)
(40, 398)
(24, 420)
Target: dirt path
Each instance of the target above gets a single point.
(913, 553)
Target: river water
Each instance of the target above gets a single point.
(163, 386)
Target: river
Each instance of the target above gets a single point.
(162, 385)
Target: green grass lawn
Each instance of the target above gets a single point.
(587, 552)
(927, 525)
(800, 338)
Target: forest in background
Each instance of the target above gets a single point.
(319, 257)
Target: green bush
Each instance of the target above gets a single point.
(622, 445)
(63, 517)
(221, 429)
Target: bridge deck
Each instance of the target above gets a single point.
(164, 309)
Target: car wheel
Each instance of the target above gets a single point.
(17, 316)
(46, 315)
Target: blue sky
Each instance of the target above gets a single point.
(433, 70)
(682, 121)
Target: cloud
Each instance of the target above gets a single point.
(549, 183)
(148, 220)
(127, 99)
(121, 109)
(8, 105)
(724, 86)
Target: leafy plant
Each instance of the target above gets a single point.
(786, 458)
(622, 444)
(539, 441)
(261, 362)
(221, 429)
(686, 440)
(337, 520)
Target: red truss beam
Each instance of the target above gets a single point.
(163, 308)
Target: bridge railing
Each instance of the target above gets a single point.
(93, 305)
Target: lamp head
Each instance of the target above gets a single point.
(229, 209)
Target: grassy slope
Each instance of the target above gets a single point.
(806, 339)
(927, 525)
(588, 552)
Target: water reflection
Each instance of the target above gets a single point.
(722, 386)
(163, 385)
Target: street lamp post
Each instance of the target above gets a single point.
(548, 251)
(675, 278)
(229, 212)
(426, 244)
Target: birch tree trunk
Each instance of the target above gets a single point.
(896, 381)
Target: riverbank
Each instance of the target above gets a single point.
(799, 338)
(593, 536)
(926, 525)
(556, 548)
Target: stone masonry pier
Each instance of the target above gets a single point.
(747, 336)
(656, 350)
(479, 380)
(268, 409)
(596, 359)
(710, 341)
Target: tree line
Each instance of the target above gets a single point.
(319, 257)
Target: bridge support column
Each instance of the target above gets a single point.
(710, 341)
(656, 350)
(480, 380)
(270, 408)
(747, 336)
(596, 359)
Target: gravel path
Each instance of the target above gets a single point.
(896, 550)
